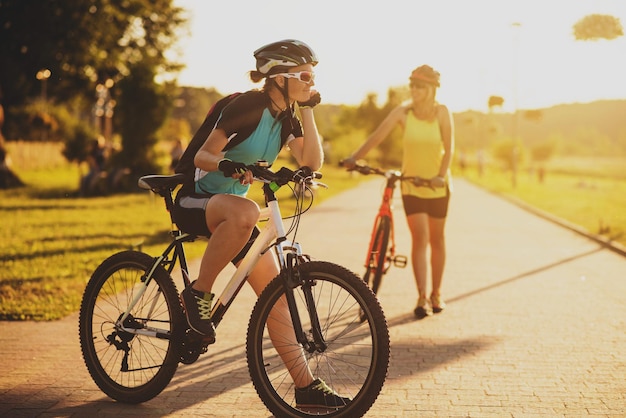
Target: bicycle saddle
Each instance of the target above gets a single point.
(158, 182)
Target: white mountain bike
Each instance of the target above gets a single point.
(133, 331)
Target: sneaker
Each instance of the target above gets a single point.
(422, 310)
(319, 395)
(197, 306)
(437, 303)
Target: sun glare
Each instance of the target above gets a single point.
(523, 51)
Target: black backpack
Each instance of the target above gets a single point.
(185, 164)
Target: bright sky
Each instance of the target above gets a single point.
(370, 45)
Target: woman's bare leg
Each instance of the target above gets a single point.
(438, 252)
(231, 220)
(280, 326)
(418, 226)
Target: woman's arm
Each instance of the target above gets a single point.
(382, 131)
(447, 136)
(307, 150)
(210, 153)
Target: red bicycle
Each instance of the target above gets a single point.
(381, 253)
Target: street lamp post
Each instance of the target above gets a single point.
(516, 152)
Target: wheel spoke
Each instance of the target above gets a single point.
(354, 364)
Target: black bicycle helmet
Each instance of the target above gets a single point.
(278, 56)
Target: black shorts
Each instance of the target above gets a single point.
(188, 213)
(435, 208)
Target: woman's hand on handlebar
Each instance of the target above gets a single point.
(437, 182)
(231, 168)
(236, 170)
(348, 163)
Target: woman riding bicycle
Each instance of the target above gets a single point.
(254, 126)
(428, 146)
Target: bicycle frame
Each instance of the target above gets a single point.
(273, 231)
(385, 210)
(272, 236)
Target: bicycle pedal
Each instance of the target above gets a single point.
(400, 261)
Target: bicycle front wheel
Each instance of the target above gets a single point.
(130, 367)
(354, 363)
(379, 261)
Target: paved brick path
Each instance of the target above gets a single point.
(535, 327)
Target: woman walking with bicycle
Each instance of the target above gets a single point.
(428, 145)
(254, 126)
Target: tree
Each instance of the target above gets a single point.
(509, 152)
(80, 42)
(541, 153)
(369, 116)
(534, 114)
(8, 178)
(495, 101)
(596, 26)
(193, 103)
(142, 109)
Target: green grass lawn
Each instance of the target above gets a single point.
(52, 240)
(591, 198)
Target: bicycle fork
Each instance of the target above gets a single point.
(293, 279)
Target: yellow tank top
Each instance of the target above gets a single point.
(423, 152)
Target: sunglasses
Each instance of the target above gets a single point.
(418, 85)
(304, 76)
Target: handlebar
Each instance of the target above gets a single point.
(389, 174)
(304, 179)
(303, 175)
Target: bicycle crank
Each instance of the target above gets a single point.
(192, 345)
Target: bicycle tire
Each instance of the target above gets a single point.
(378, 263)
(357, 358)
(151, 361)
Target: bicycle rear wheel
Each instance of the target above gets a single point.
(356, 359)
(129, 367)
(379, 261)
